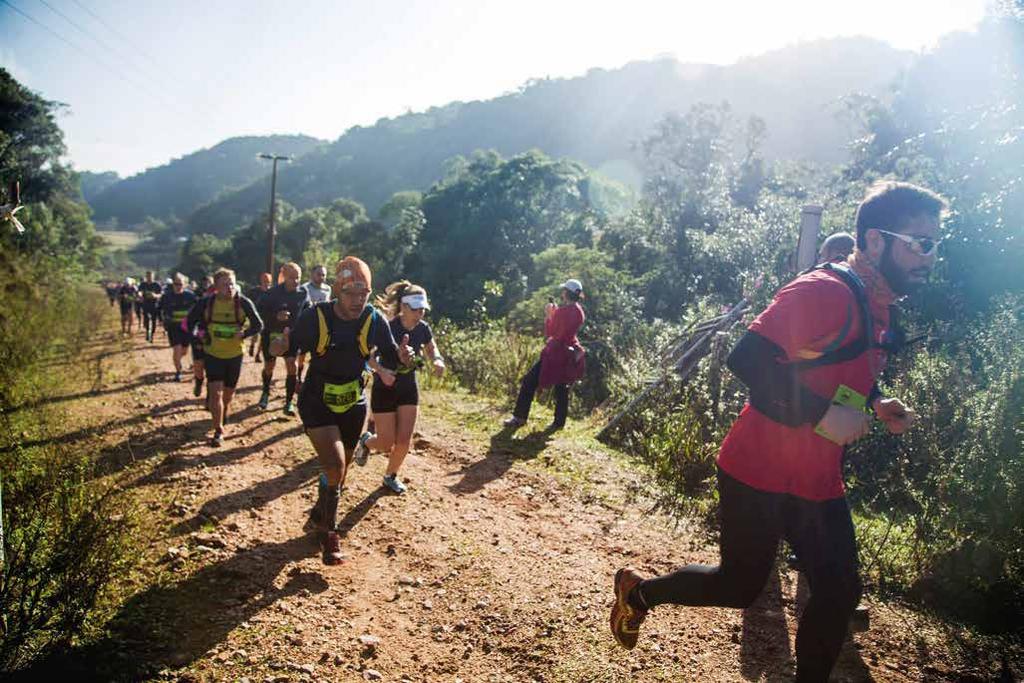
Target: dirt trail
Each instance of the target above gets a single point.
(496, 566)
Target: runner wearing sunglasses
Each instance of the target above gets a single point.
(810, 362)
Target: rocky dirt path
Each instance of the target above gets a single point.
(496, 566)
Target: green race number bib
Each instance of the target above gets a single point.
(339, 398)
(223, 330)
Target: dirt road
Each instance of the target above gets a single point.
(496, 566)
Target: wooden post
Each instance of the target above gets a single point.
(807, 246)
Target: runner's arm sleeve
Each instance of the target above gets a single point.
(195, 315)
(775, 388)
(255, 322)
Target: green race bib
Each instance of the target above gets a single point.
(339, 398)
(274, 336)
(223, 330)
(178, 316)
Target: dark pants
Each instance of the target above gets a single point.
(529, 387)
(149, 319)
(752, 523)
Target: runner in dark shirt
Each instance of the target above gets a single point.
(340, 335)
(255, 294)
(280, 307)
(127, 297)
(150, 290)
(174, 307)
(395, 395)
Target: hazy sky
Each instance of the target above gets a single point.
(154, 81)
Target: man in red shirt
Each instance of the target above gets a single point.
(810, 362)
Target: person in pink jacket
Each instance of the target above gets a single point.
(562, 360)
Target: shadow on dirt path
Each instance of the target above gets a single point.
(504, 452)
(174, 625)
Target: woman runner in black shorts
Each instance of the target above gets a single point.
(340, 335)
(395, 404)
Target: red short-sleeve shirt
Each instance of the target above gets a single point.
(807, 316)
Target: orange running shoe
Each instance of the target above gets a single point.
(626, 619)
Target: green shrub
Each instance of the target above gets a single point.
(67, 534)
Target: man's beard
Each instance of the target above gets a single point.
(899, 282)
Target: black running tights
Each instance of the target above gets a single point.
(752, 523)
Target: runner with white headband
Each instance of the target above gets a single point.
(396, 407)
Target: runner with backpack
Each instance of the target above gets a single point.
(811, 362)
(340, 336)
(279, 308)
(227, 318)
(394, 397)
(255, 294)
(150, 291)
(173, 308)
(127, 295)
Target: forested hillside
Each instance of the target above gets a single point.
(172, 191)
(93, 184)
(596, 119)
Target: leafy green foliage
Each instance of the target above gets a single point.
(31, 147)
(499, 213)
(67, 537)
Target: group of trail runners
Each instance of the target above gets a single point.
(811, 362)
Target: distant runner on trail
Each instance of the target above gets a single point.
(227, 319)
(341, 335)
(254, 294)
(137, 306)
(127, 295)
(279, 308)
(810, 362)
(395, 395)
(111, 289)
(318, 291)
(150, 290)
(562, 360)
(174, 307)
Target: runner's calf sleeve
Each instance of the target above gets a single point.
(332, 497)
(289, 388)
(267, 379)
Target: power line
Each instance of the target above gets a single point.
(85, 52)
(120, 35)
(92, 36)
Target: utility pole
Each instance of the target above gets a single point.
(271, 228)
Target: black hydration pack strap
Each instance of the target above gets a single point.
(834, 353)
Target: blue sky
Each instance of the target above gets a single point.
(154, 81)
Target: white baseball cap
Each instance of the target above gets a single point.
(573, 285)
